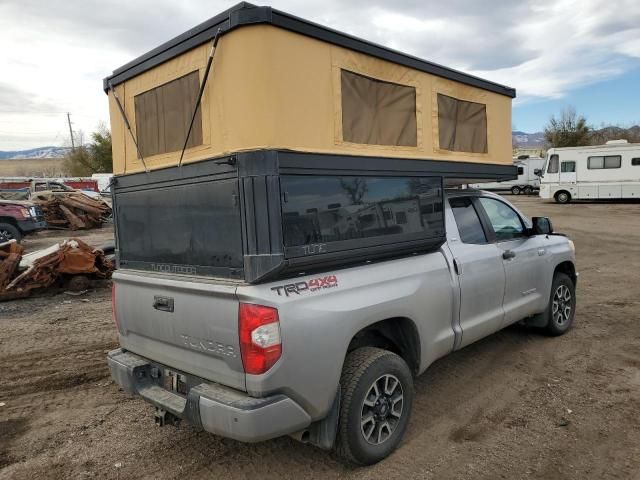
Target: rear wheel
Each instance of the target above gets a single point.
(528, 190)
(377, 394)
(9, 232)
(515, 190)
(562, 305)
(563, 197)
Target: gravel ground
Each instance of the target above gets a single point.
(515, 405)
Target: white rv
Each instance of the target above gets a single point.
(599, 172)
(528, 180)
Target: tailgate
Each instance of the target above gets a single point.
(187, 325)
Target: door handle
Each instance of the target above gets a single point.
(509, 254)
(164, 304)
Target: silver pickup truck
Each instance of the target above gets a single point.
(330, 357)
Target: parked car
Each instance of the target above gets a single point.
(19, 218)
(330, 357)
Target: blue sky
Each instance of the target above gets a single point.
(584, 53)
(613, 102)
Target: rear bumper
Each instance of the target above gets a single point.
(215, 408)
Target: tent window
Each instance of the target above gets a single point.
(462, 125)
(376, 112)
(163, 115)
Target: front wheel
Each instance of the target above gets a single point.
(9, 232)
(377, 394)
(562, 305)
(563, 197)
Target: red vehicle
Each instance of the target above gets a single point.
(18, 218)
(40, 184)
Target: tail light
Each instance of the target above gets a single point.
(114, 315)
(260, 343)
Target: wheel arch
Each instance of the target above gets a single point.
(397, 334)
(10, 221)
(562, 190)
(568, 268)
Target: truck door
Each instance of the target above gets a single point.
(520, 255)
(568, 171)
(480, 271)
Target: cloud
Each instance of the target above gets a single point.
(57, 52)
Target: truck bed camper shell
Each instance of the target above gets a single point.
(259, 144)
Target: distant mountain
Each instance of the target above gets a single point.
(527, 140)
(40, 152)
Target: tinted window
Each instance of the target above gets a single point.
(196, 227)
(599, 162)
(635, 162)
(505, 221)
(553, 164)
(568, 167)
(467, 219)
(331, 209)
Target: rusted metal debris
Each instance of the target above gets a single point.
(72, 210)
(21, 274)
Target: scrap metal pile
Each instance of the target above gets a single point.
(60, 265)
(73, 210)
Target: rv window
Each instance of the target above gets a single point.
(610, 161)
(520, 171)
(462, 126)
(568, 167)
(635, 162)
(554, 160)
(376, 112)
(326, 209)
(163, 115)
(469, 226)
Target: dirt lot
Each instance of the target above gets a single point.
(515, 405)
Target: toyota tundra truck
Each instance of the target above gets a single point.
(326, 355)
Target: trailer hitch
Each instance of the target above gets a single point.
(163, 418)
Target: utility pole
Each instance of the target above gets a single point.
(73, 145)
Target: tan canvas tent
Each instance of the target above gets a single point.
(258, 145)
(280, 82)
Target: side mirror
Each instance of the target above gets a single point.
(541, 226)
(537, 172)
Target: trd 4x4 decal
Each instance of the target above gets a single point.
(313, 285)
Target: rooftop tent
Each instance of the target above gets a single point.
(282, 83)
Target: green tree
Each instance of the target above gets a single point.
(94, 157)
(568, 130)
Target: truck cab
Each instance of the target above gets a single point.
(19, 218)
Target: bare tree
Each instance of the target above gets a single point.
(568, 130)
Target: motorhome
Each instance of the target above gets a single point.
(601, 172)
(528, 181)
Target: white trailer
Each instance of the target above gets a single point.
(528, 180)
(610, 171)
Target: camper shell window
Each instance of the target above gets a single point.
(462, 125)
(376, 112)
(163, 115)
(606, 162)
(554, 161)
(342, 212)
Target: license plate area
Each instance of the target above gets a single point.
(175, 382)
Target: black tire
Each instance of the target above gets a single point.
(558, 321)
(362, 369)
(563, 196)
(528, 190)
(9, 232)
(515, 190)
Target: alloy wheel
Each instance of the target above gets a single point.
(381, 409)
(561, 307)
